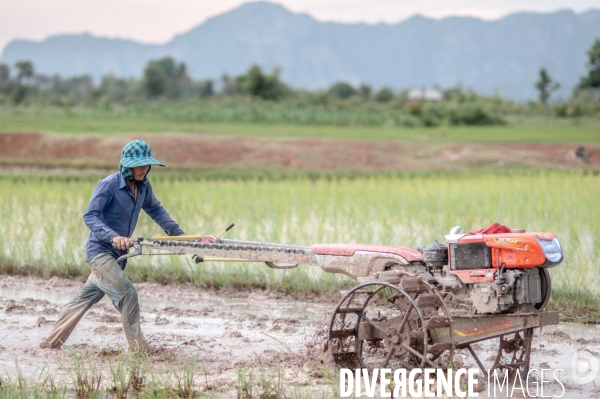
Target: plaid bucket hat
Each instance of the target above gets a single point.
(138, 153)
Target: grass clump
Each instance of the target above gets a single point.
(43, 385)
(86, 375)
(185, 378)
(576, 305)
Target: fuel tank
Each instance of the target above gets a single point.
(508, 250)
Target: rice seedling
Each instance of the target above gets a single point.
(134, 376)
(245, 383)
(185, 378)
(273, 383)
(86, 375)
(40, 384)
(127, 375)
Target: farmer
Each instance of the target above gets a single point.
(111, 217)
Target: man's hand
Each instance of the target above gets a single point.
(122, 243)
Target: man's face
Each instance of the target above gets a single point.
(139, 172)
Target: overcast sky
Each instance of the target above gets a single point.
(157, 21)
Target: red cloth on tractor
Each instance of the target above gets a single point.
(494, 228)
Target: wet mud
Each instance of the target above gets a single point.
(228, 331)
(231, 331)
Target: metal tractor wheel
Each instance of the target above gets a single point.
(386, 325)
(514, 353)
(546, 289)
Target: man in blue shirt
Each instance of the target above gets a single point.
(111, 216)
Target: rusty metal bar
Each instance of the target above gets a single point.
(483, 370)
(348, 332)
(419, 355)
(248, 250)
(437, 322)
(375, 325)
(471, 329)
(350, 310)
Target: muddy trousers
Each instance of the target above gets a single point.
(106, 278)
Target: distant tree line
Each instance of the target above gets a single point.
(167, 80)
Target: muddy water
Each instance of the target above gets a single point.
(229, 328)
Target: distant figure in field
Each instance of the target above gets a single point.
(582, 155)
(111, 216)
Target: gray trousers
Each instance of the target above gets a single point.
(106, 278)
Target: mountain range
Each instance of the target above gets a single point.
(499, 56)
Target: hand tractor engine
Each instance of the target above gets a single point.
(495, 273)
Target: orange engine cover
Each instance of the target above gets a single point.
(511, 250)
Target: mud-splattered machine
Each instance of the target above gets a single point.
(415, 307)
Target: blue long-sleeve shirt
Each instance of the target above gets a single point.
(113, 212)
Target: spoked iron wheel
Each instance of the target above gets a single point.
(514, 352)
(384, 325)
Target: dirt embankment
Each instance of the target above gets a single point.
(193, 151)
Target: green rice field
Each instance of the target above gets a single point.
(262, 121)
(42, 231)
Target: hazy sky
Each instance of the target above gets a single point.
(157, 21)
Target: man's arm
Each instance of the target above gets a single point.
(101, 196)
(156, 211)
